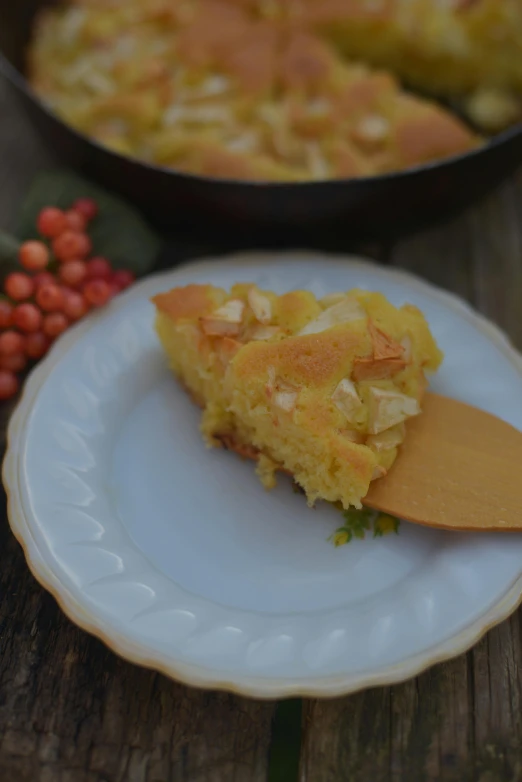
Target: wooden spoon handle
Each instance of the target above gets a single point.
(459, 468)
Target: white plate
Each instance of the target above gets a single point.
(179, 560)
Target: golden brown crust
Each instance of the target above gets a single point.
(232, 443)
(223, 37)
(321, 392)
(377, 369)
(306, 63)
(430, 136)
(235, 90)
(309, 360)
(188, 302)
(333, 10)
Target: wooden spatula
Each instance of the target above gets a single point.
(459, 468)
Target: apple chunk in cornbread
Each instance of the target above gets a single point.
(318, 388)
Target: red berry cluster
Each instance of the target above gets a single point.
(60, 284)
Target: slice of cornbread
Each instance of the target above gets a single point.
(320, 389)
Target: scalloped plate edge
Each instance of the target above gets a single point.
(199, 676)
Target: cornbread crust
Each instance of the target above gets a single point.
(296, 401)
(246, 91)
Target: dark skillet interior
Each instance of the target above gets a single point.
(360, 208)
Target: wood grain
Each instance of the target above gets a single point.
(460, 721)
(459, 468)
(71, 711)
(496, 244)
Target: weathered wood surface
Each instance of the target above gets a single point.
(71, 711)
(461, 721)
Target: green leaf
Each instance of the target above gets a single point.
(355, 516)
(358, 521)
(9, 246)
(118, 232)
(359, 531)
(340, 537)
(385, 525)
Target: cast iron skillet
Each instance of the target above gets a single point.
(370, 207)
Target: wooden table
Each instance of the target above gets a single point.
(71, 711)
